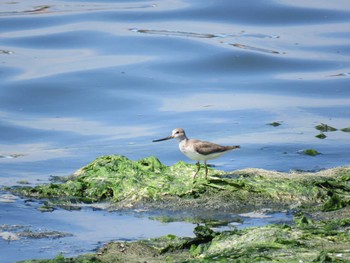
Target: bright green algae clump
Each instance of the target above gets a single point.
(148, 182)
(321, 232)
(117, 178)
(306, 241)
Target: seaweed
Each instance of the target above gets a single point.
(320, 201)
(347, 129)
(275, 124)
(325, 128)
(311, 152)
(148, 183)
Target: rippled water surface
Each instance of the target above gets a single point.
(80, 79)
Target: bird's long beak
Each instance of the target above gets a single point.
(164, 139)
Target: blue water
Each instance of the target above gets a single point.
(80, 79)
(86, 230)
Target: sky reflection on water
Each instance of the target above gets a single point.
(81, 79)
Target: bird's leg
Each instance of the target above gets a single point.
(206, 169)
(199, 167)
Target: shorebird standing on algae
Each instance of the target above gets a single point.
(198, 150)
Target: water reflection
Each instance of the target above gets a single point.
(42, 7)
(244, 101)
(324, 4)
(55, 62)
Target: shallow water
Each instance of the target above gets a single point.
(87, 230)
(80, 79)
(36, 234)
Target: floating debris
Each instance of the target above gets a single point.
(46, 208)
(325, 128)
(321, 136)
(275, 124)
(311, 152)
(345, 129)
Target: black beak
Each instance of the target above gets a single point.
(164, 139)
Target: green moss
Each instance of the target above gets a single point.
(325, 128)
(315, 241)
(345, 129)
(335, 202)
(61, 259)
(321, 136)
(302, 220)
(322, 200)
(275, 124)
(46, 208)
(148, 182)
(311, 152)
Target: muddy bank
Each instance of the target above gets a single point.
(320, 231)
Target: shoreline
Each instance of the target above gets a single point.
(320, 203)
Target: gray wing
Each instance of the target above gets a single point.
(206, 148)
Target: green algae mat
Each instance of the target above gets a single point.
(320, 201)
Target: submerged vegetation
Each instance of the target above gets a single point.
(321, 201)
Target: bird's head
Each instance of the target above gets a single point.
(177, 133)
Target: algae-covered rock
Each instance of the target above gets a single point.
(320, 233)
(347, 129)
(148, 182)
(321, 136)
(305, 241)
(280, 243)
(61, 259)
(275, 124)
(117, 178)
(311, 152)
(325, 128)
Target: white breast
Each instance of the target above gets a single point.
(189, 151)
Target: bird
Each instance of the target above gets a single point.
(198, 150)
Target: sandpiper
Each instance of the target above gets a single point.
(198, 150)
